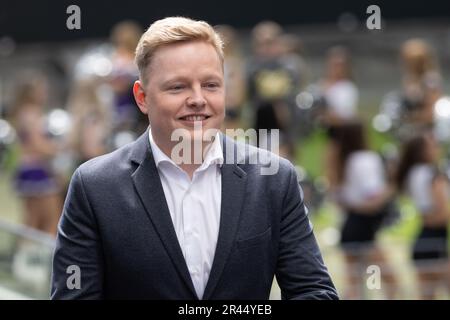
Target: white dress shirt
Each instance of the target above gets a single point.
(194, 207)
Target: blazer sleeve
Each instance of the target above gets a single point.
(301, 273)
(78, 251)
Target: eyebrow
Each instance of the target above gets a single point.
(175, 79)
(169, 81)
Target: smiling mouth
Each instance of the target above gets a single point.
(195, 118)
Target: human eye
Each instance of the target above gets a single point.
(212, 85)
(177, 87)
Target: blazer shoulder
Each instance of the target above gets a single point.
(251, 155)
(108, 165)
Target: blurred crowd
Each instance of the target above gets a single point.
(267, 88)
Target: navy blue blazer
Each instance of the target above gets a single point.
(116, 227)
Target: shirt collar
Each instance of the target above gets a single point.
(213, 156)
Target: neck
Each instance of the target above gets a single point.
(191, 162)
(189, 169)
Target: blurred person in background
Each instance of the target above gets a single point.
(35, 181)
(274, 82)
(420, 178)
(339, 91)
(338, 100)
(124, 37)
(91, 121)
(292, 57)
(234, 76)
(412, 106)
(421, 82)
(363, 193)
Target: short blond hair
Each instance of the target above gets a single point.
(172, 30)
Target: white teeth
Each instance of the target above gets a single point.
(195, 118)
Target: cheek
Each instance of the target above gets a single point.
(217, 102)
(164, 108)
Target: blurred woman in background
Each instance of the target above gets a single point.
(339, 91)
(412, 106)
(363, 193)
(234, 75)
(421, 83)
(124, 38)
(35, 182)
(419, 176)
(91, 122)
(338, 103)
(273, 83)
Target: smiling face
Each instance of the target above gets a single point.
(184, 87)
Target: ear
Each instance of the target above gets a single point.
(139, 96)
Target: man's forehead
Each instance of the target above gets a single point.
(184, 50)
(169, 63)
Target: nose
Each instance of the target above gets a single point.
(196, 99)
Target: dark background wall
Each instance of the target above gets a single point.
(45, 20)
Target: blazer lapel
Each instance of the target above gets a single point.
(233, 193)
(148, 185)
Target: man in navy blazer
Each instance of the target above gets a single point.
(124, 231)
